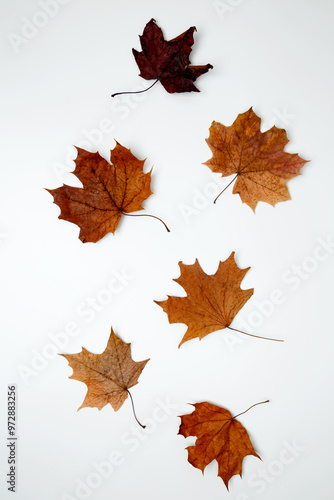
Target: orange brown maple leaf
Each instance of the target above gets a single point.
(212, 300)
(108, 375)
(257, 160)
(219, 437)
(109, 191)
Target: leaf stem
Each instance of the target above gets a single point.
(133, 409)
(137, 92)
(261, 403)
(256, 336)
(147, 215)
(225, 188)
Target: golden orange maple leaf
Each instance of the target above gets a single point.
(212, 300)
(258, 160)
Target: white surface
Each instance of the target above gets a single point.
(275, 56)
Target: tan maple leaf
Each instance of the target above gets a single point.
(219, 437)
(212, 300)
(109, 191)
(109, 375)
(258, 160)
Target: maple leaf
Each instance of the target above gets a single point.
(212, 300)
(167, 61)
(258, 160)
(109, 191)
(109, 375)
(219, 437)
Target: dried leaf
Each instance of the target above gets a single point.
(109, 191)
(212, 300)
(219, 437)
(258, 161)
(109, 375)
(168, 62)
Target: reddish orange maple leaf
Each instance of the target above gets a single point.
(258, 161)
(109, 191)
(219, 437)
(109, 375)
(212, 300)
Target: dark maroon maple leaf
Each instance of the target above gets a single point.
(168, 62)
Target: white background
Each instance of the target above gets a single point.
(55, 90)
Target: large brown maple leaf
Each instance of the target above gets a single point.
(212, 300)
(258, 160)
(109, 191)
(219, 437)
(109, 375)
(168, 61)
